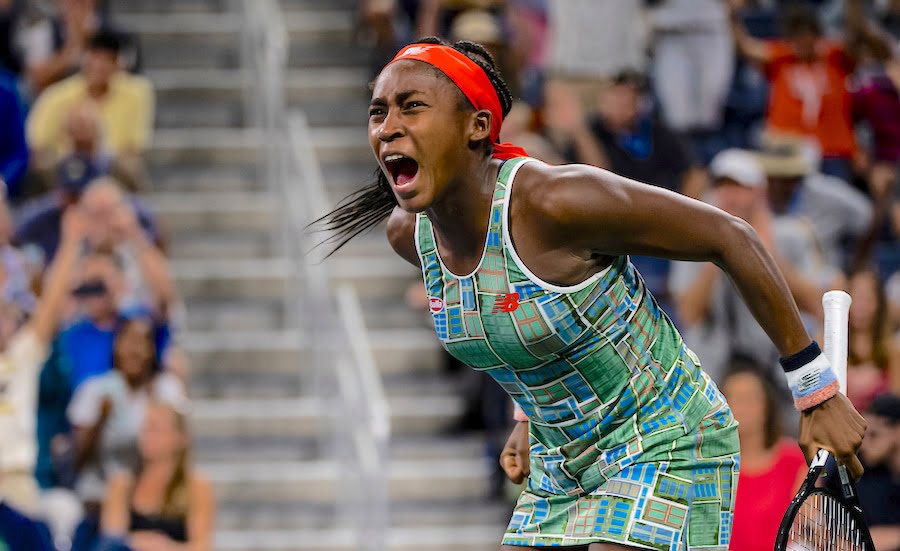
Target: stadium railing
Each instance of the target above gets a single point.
(345, 378)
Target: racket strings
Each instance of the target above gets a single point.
(824, 524)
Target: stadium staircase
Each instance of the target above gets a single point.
(257, 428)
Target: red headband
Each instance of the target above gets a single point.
(471, 80)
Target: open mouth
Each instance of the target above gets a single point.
(402, 169)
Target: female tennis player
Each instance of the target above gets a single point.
(526, 267)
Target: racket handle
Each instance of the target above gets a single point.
(837, 317)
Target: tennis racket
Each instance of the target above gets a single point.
(827, 517)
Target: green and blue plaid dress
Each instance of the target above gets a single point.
(631, 442)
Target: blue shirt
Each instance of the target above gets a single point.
(13, 148)
(19, 533)
(89, 350)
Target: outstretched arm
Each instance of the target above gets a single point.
(588, 211)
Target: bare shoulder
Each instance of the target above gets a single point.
(554, 195)
(401, 233)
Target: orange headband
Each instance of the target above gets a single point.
(465, 73)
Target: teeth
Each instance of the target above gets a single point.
(395, 157)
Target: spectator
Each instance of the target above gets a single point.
(631, 141)
(125, 103)
(808, 73)
(839, 214)
(107, 410)
(53, 46)
(25, 346)
(635, 142)
(876, 102)
(591, 41)
(88, 157)
(38, 221)
(518, 128)
(879, 488)
(873, 362)
(165, 502)
(16, 287)
(116, 227)
(693, 64)
(711, 313)
(87, 346)
(13, 148)
(772, 467)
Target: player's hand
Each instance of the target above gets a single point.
(515, 458)
(833, 425)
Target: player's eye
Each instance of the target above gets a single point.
(413, 105)
(376, 112)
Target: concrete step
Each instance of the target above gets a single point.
(219, 278)
(226, 147)
(216, 211)
(342, 145)
(310, 5)
(213, 40)
(321, 481)
(305, 418)
(473, 537)
(333, 96)
(190, 177)
(403, 515)
(204, 314)
(167, 6)
(241, 244)
(228, 352)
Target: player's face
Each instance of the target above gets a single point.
(418, 132)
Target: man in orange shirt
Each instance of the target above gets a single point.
(807, 74)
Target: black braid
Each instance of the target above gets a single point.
(372, 204)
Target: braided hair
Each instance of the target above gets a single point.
(373, 203)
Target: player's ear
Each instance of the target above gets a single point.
(481, 122)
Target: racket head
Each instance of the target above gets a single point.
(825, 515)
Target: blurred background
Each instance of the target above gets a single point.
(187, 368)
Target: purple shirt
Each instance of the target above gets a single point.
(877, 102)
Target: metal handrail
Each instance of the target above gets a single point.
(347, 382)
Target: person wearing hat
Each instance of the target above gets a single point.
(839, 214)
(879, 488)
(712, 314)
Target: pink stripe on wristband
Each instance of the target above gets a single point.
(815, 398)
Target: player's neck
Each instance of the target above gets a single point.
(460, 216)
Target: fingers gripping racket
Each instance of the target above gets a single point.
(827, 517)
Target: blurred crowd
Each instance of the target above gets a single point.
(94, 444)
(783, 113)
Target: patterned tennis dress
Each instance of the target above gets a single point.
(631, 442)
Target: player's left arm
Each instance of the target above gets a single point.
(597, 212)
(589, 211)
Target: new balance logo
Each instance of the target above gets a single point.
(506, 303)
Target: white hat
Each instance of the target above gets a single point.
(738, 165)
